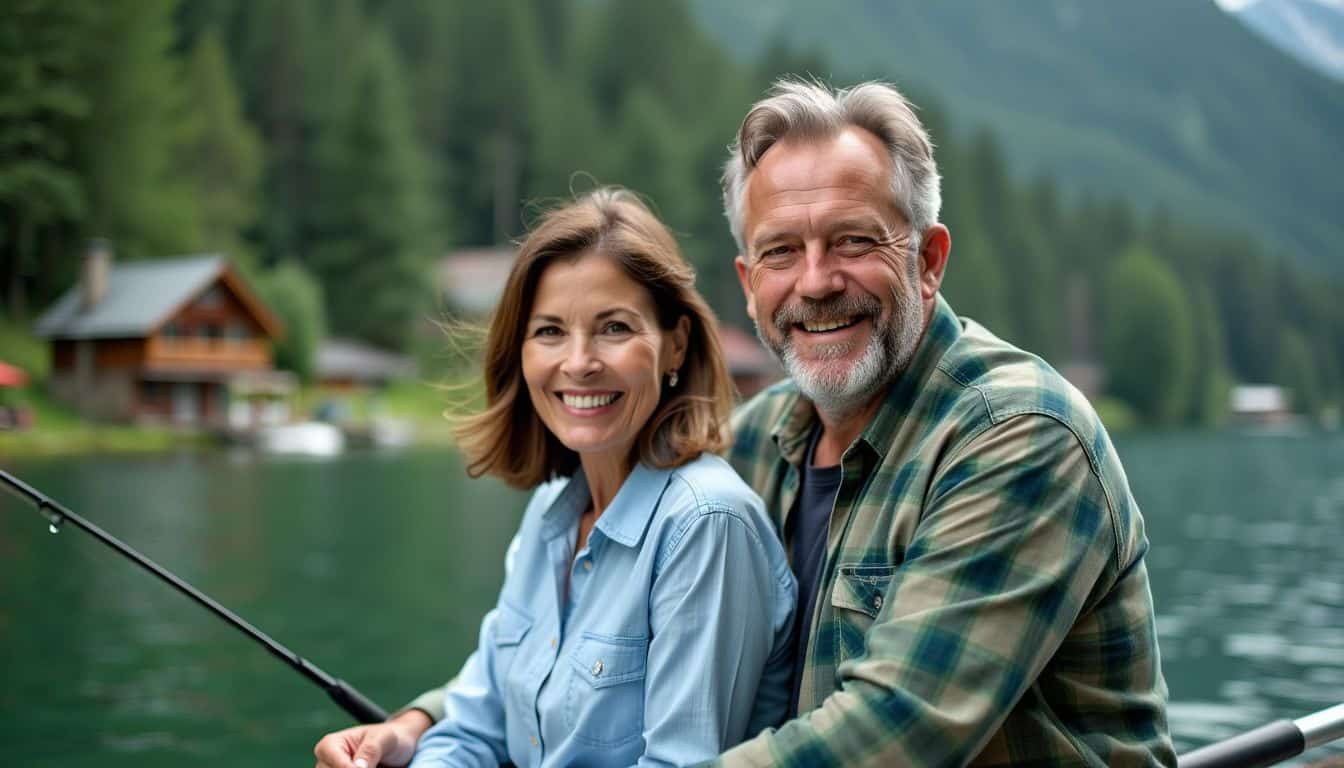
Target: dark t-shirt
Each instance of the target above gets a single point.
(816, 499)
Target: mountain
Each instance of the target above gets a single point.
(1310, 30)
(1170, 103)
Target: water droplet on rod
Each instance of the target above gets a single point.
(52, 527)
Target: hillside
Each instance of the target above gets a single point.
(1168, 104)
(1310, 30)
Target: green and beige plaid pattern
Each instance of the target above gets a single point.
(984, 599)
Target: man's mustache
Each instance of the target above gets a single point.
(829, 310)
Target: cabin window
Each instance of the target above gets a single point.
(237, 332)
(212, 332)
(172, 331)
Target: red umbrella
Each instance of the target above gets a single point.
(11, 376)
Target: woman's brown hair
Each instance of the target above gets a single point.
(507, 439)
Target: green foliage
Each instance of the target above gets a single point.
(220, 153)
(1149, 338)
(296, 297)
(43, 49)
(371, 245)
(352, 141)
(132, 140)
(1296, 370)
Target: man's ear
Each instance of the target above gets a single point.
(744, 277)
(935, 245)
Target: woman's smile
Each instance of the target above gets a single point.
(594, 357)
(594, 403)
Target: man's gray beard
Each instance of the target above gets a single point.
(839, 393)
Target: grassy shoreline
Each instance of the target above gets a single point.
(59, 430)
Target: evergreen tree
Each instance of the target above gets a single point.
(221, 153)
(43, 46)
(1295, 370)
(129, 145)
(296, 298)
(372, 246)
(1149, 338)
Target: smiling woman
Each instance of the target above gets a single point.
(647, 604)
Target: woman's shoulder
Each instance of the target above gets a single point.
(710, 481)
(707, 486)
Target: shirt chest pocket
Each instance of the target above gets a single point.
(857, 598)
(604, 705)
(511, 626)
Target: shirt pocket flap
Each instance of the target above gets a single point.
(510, 625)
(604, 660)
(862, 588)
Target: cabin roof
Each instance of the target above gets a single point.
(355, 360)
(140, 296)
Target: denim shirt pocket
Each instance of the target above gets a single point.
(857, 598)
(511, 626)
(604, 705)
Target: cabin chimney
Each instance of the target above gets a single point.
(96, 272)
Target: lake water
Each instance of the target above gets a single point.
(378, 567)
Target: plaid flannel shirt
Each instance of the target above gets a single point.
(984, 599)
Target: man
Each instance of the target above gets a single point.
(970, 559)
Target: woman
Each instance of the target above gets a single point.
(647, 603)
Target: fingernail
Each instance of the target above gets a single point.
(361, 763)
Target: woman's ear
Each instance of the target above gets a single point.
(680, 337)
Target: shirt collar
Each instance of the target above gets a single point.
(625, 519)
(795, 423)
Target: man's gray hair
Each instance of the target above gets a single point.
(803, 110)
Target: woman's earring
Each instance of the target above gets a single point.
(672, 379)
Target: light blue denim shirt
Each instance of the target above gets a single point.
(675, 646)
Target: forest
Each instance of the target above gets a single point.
(336, 149)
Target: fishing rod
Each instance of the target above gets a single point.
(1270, 744)
(347, 697)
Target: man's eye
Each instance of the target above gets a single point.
(775, 252)
(855, 241)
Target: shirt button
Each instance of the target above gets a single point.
(587, 565)
(877, 602)
(552, 642)
(597, 668)
(532, 740)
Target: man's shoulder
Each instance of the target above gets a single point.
(1007, 381)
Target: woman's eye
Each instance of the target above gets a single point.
(616, 326)
(547, 330)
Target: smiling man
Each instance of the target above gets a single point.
(969, 556)
(970, 559)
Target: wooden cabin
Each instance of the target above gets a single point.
(182, 341)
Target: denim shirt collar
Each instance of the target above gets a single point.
(625, 519)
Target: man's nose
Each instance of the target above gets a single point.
(580, 360)
(820, 276)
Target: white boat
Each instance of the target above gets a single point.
(308, 438)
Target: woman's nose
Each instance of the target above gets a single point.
(580, 362)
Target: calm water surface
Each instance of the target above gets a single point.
(378, 567)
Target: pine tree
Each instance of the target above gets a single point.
(43, 45)
(372, 244)
(1149, 338)
(221, 153)
(130, 142)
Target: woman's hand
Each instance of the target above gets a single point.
(364, 746)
